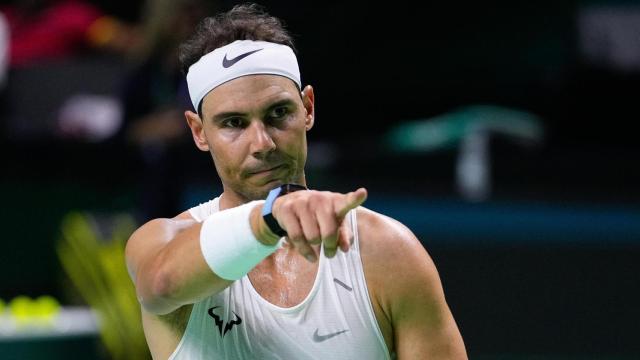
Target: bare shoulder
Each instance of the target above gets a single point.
(404, 282)
(144, 244)
(150, 237)
(397, 266)
(185, 215)
(386, 240)
(141, 248)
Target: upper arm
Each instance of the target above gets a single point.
(420, 315)
(411, 294)
(145, 243)
(154, 252)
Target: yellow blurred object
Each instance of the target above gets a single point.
(2, 306)
(42, 311)
(21, 308)
(96, 267)
(46, 307)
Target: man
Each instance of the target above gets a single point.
(303, 274)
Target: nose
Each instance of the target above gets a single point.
(261, 141)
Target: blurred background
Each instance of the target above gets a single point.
(502, 133)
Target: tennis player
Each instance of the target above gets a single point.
(270, 269)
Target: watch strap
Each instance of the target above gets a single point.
(267, 207)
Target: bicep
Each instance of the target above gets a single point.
(423, 324)
(406, 285)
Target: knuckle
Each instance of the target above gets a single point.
(285, 206)
(313, 236)
(326, 207)
(327, 232)
(294, 237)
(330, 227)
(315, 197)
(303, 248)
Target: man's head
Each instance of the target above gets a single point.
(252, 116)
(243, 22)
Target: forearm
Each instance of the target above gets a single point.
(177, 273)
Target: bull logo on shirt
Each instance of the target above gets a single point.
(220, 322)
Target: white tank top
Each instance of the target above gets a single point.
(335, 320)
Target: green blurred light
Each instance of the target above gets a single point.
(446, 131)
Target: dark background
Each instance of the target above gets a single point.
(547, 267)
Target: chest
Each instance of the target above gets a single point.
(285, 280)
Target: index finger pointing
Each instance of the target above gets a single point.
(351, 201)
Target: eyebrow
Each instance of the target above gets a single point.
(283, 102)
(227, 114)
(221, 116)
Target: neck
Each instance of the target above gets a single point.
(230, 199)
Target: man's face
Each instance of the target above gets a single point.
(255, 129)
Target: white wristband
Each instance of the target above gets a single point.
(228, 244)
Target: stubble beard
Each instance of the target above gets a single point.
(249, 193)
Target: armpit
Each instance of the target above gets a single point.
(178, 319)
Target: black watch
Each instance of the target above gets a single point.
(267, 213)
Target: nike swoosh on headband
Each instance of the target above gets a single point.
(230, 62)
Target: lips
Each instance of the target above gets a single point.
(265, 170)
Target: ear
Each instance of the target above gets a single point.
(197, 130)
(308, 100)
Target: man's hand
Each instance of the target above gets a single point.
(314, 217)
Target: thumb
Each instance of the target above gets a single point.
(351, 201)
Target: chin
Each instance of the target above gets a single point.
(260, 192)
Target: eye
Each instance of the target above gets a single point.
(232, 122)
(279, 112)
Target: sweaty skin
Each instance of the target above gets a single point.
(255, 129)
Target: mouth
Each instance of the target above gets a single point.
(267, 171)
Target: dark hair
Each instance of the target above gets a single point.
(243, 22)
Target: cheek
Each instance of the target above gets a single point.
(227, 160)
(302, 142)
(296, 147)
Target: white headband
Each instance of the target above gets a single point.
(240, 58)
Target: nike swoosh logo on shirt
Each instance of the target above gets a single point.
(321, 338)
(349, 288)
(230, 62)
